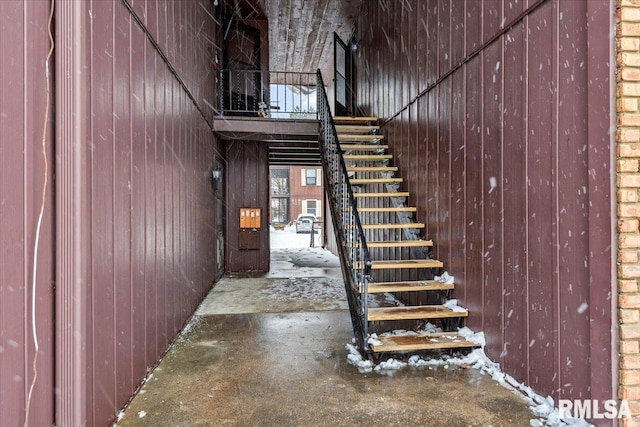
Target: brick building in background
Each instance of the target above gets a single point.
(295, 190)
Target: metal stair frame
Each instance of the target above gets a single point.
(353, 252)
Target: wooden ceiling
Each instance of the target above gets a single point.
(301, 32)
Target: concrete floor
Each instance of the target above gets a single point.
(265, 352)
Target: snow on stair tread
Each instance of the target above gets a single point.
(414, 313)
(421, 341)
(408, 286)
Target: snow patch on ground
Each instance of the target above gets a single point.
(542, 407)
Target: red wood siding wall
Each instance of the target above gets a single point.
(23, 48)
(503, 141)
(248, 187)
(147, 233)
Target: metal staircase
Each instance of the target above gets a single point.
(379, 242)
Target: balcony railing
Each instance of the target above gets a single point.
(276, 94)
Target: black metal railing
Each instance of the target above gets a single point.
(352, 246)
(277, 94)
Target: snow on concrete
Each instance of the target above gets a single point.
(543, 408)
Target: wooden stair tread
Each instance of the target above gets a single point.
(372, 168)
(392, 226)
(419, 285)
(360, 129)
(414, 312)
(408, 263)
(363, 147)
(385, 194)
(367, 156)
(400, 263)
(352, 120)
(396, 244)
(359, 137)
(400, 244)
(421, 341)
(356, 181)
(389, 209)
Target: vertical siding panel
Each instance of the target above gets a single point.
(411, 177)
(431, 154)
(457, 259)
(601, 237)
(443, 167)
(412, 56)
(422, 37)
(173, 174)
(23, 47)
(513, 8)
(573, 202)
(491, 18)
(36, 47)
(161, 192)
(515, 213)
(458, 28)
(122, 205)
(492, 187)
(13, 280)
(138, 201)
(150, 206)
(473, 26)
(103, 280)
(432, 43)
(444, 36)
(474, 202)
(542, 353)
(422, 171)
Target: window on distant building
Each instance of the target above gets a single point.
(310, 177)
(311, 207)
(280, 210)
(280, 182)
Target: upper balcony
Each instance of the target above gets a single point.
(277, 107)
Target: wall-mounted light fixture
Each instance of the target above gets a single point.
(216, 175)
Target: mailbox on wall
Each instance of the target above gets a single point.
(250, 226)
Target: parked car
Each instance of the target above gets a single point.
(304, 222)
